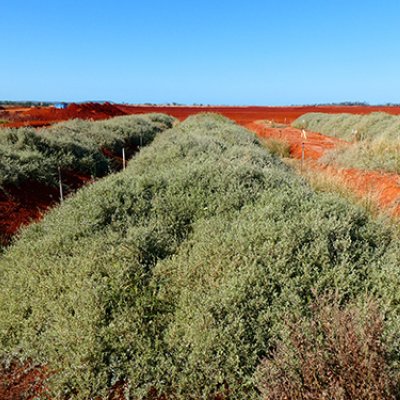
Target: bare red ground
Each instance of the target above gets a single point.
(43, 116)
(381, 188)
(22, 382)
(315, 144)
(26, 203)
(19, 206)
(244, 115)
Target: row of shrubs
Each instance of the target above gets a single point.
(176, 277)
(375, 137)
(352, 127)
(27, 154)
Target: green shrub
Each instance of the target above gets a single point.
(277, 147)
(174, 275)
(27, 154)
(375, 139)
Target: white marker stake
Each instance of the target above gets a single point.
(60, 183)
(303, 137)
(123, 158)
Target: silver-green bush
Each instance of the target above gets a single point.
(173, 276)
(27, 154)
(375, 137)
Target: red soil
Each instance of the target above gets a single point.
(43, 116)
(315, 144)
(19, 206)
(381, 188)
(244, 115)
(22, 205)
(22, 382)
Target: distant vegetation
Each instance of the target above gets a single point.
(347, 103)
(176, 277)
(30, 155)
(25, 103)
(376, 138)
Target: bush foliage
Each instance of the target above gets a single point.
(277, 147)
(337, 354)
(173, 277)
(28, 154)
(375, 137)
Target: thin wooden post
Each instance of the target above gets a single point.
(303, 137)
(123, 158)
(60, 184)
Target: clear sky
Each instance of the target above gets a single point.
(271, 52)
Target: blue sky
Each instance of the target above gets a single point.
(212, 52)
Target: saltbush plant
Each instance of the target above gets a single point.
(336, 354)
(27, 154)
(277, 147)
(173, 277)
(375, 139)
(352, 127)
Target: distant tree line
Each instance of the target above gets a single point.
(355, 104)
(25, 103)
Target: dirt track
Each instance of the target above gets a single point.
(315, 144)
